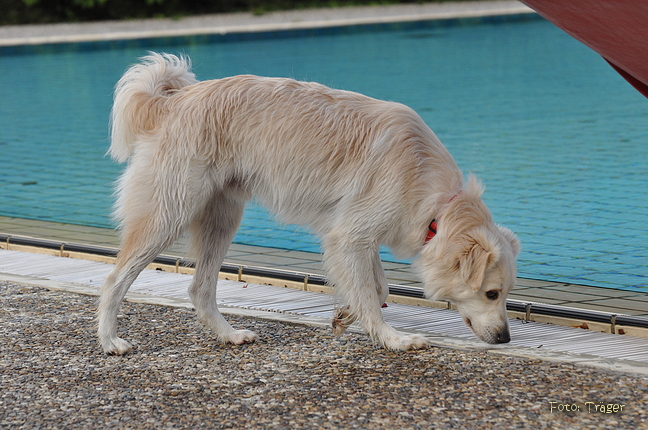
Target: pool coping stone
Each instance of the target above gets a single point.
(221, 24)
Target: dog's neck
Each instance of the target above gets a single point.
(432, 227)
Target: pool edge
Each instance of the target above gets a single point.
(269, 27)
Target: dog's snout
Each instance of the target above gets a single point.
(504, 336)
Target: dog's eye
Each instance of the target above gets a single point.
(492, 294)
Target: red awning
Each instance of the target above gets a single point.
(616, 29)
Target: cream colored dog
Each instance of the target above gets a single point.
(359, 172)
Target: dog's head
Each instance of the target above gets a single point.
(471, 262)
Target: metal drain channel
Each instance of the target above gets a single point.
(398, 290)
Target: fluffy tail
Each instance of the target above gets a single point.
(136, 107)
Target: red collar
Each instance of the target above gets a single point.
(432, 228)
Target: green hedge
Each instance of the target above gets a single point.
(46, 11)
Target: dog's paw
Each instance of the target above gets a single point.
(116, 346)
(342, 319)
(239, 337)
(403, 342)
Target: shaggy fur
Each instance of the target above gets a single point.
(357, 171)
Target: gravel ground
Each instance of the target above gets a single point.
(53, 375)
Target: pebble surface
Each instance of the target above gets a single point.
(53, 375)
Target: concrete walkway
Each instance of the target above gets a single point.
(444, 327)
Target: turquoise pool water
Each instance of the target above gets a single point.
(556, 135)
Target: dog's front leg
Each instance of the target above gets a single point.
(343, 318)
(354, 268)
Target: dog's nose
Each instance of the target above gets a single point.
(503, 337)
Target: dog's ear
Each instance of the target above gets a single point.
(478, 255)
(512, 238)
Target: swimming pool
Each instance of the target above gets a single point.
(556, 135)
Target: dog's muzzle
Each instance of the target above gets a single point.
(503, 337)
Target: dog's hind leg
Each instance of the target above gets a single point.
(142, 242)
(212, 233)
(355, 270)
(157, 203)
